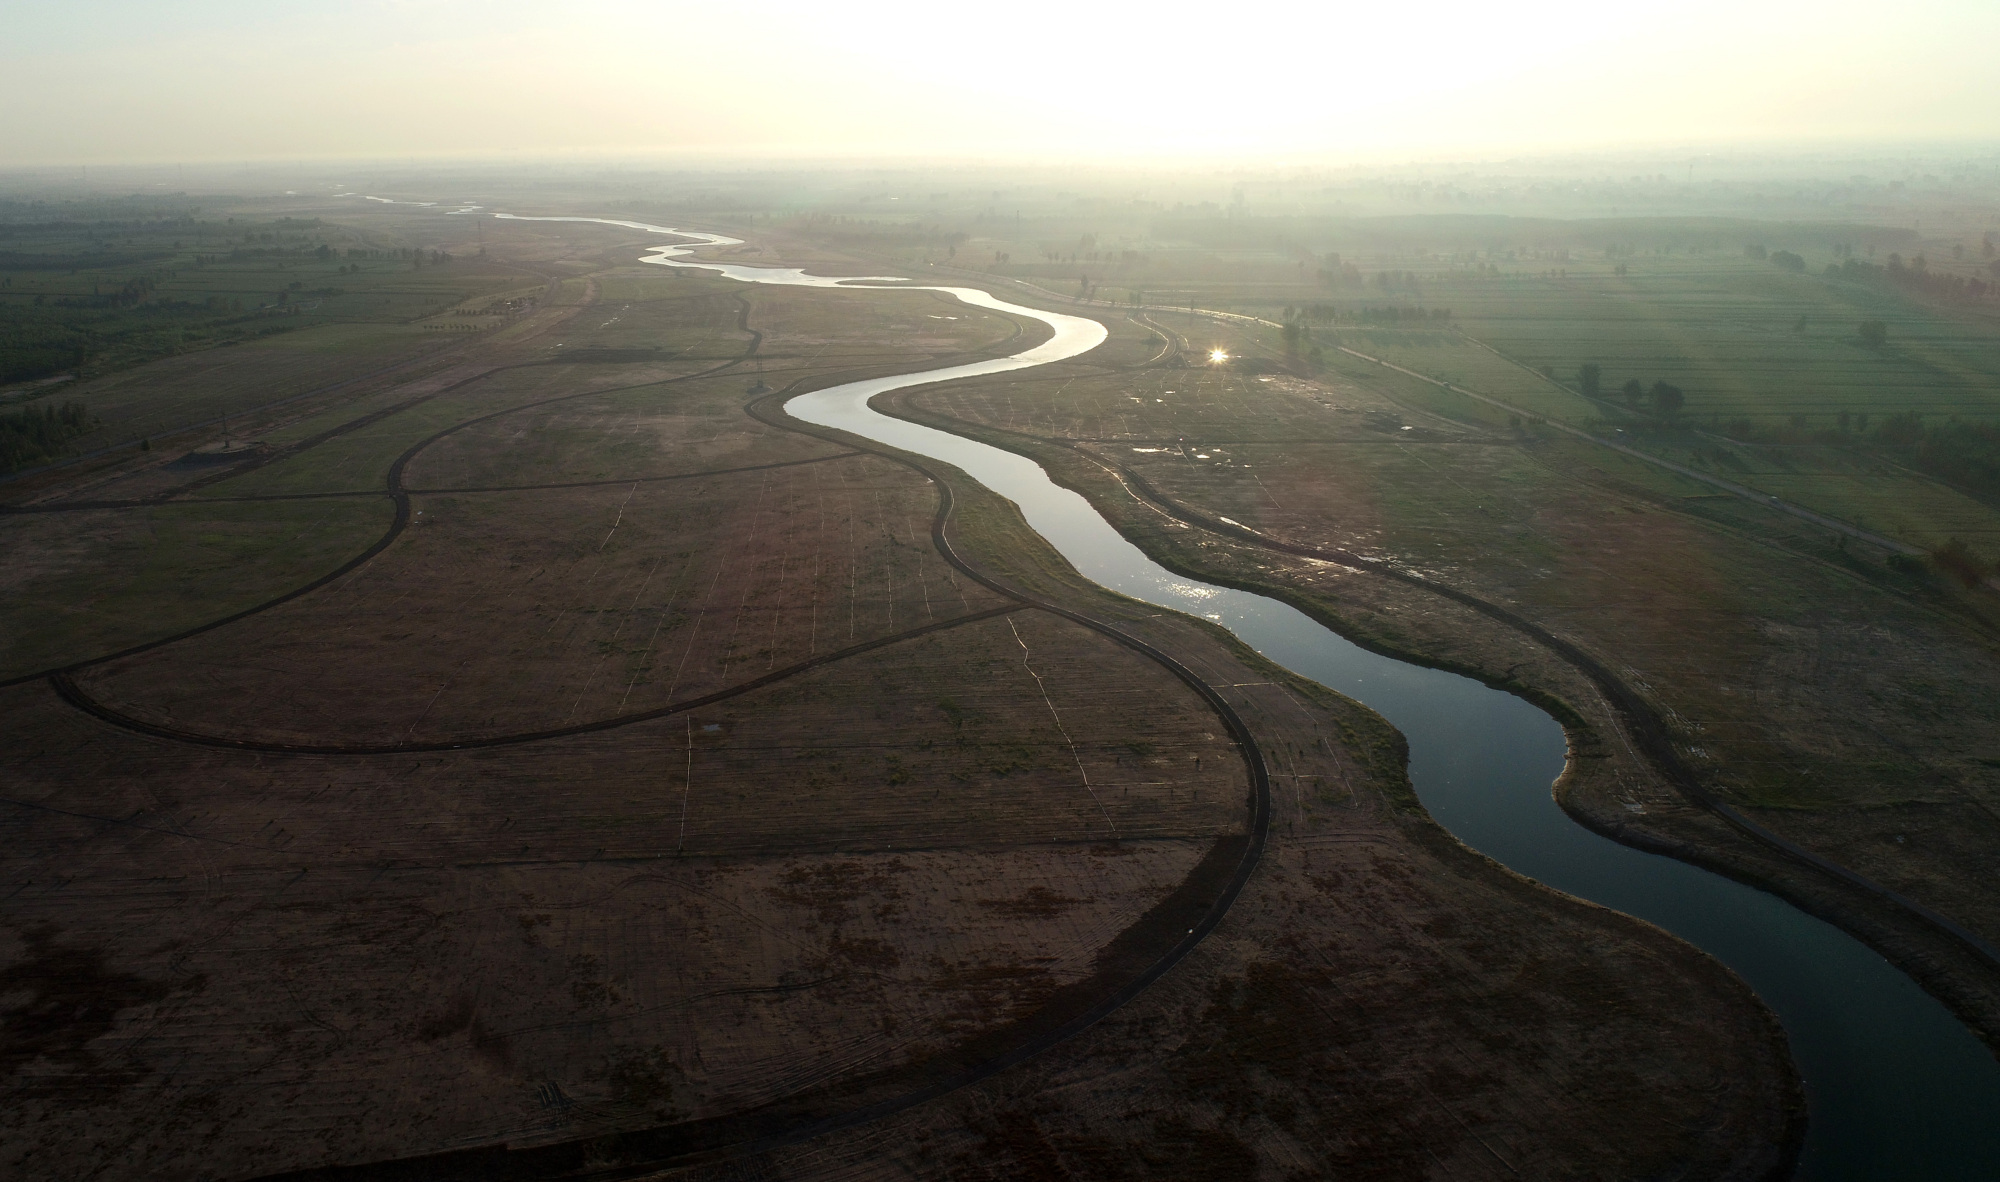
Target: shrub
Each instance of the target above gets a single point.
(1956, 559)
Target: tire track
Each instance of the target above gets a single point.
(395, 491)
(65, 686)
(1127, 967)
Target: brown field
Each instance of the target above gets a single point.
(659, 793)
(566, 605)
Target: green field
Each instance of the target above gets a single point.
(1781, 392)
(83, 584)
(241, 311)
(1744, 340)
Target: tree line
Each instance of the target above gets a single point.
(51, 335)
(1961, 453)
(40, 433)
(1393, 315)
(1331, 314)
(1664, 398)
(1915, 276)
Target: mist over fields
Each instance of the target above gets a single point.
(965, 593)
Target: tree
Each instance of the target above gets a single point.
(1667, 399)
(1874, 333)
(1587, 377)
(1632, 390)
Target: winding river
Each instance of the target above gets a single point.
(1897, 1087)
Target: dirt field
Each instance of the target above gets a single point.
(619, 780)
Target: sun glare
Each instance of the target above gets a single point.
(1217, 356)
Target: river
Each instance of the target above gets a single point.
(1896, 1086)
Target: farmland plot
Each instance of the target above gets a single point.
(642, 433)
(641, 985)
(85, 584)
(521, 611)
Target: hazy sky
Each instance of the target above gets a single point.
(194, 80)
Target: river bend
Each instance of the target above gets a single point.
(1896, 1086)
